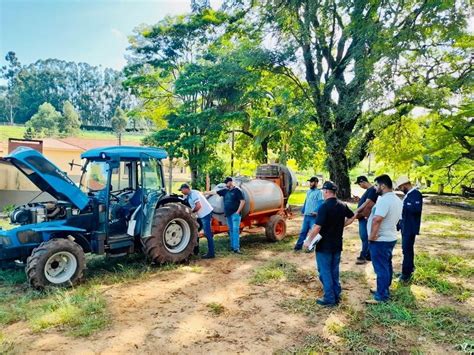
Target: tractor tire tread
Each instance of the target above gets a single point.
(35, 262)
(154, 245)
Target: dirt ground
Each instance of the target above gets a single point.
(169, 312)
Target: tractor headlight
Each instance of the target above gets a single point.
(5, 241)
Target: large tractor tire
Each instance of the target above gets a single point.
(174, 234)
(275, 229)
(57, 262)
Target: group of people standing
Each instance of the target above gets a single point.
(381, 214)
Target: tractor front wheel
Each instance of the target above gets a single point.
(57, 262)
(275, 229)
(174, 234)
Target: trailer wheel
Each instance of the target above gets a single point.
(275, 229)
(174, 234)
(57, 262)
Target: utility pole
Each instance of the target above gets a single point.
(232, 154)
(368, 169)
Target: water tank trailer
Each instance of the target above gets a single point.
(266, 201)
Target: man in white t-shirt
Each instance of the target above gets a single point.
(382, 230)
(203, 208)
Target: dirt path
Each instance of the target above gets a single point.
(169, 312)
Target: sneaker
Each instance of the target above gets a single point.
(207, 256)
(238, 251)
(324, 303)
(297, 250)
(360, 261)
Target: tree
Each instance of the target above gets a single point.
(119, 123)
(94, 92)
(344, 46)
(10, 72)
(44, 123)
(70, 122)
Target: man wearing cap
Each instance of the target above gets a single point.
(409, 224)
(234, 202)
(314, 199)
(203, 208)
(364, 207)
(382, 228)
(333, 216)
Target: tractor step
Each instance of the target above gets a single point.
(120, 241)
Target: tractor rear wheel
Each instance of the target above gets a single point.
(57, 262)
(174, 234)
(275, 229)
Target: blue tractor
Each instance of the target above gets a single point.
(120, 207)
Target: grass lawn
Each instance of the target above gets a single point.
(433, 314)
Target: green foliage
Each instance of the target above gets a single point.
(70, 122)
(44, 123)
(216, 308)
(274, 270)
(82, 312)
(56, 81)
(119, 122)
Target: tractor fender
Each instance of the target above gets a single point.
(170, 199)
(63, 232)
(76, 237)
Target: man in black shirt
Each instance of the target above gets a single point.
(233, 204)
(364, 207)
(333, 216)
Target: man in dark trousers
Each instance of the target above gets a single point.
(409, 225)
(364, 207)
(333, 216)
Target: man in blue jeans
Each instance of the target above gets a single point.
(364, 207)
(314, 199)
(382, 228)
(203, 208)
(333, 216)
(233, 204)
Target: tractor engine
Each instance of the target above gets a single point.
(37, 213)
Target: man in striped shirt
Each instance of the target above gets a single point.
(314, 199)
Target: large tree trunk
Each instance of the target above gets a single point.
(338, 168)
(264, 147)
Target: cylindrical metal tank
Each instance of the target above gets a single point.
(260, 195)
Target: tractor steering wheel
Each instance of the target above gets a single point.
(113, 195)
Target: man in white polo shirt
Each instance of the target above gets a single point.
(382, 230)
(203, 208)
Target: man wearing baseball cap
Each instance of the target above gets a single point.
(314, 199)
(364, 207)
(333, 216)
(409, 224)
(234, 202)
(203, 208)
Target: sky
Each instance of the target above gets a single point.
(92, 31)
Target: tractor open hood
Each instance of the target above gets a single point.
(47, 176)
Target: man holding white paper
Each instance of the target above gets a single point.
(333, 216)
